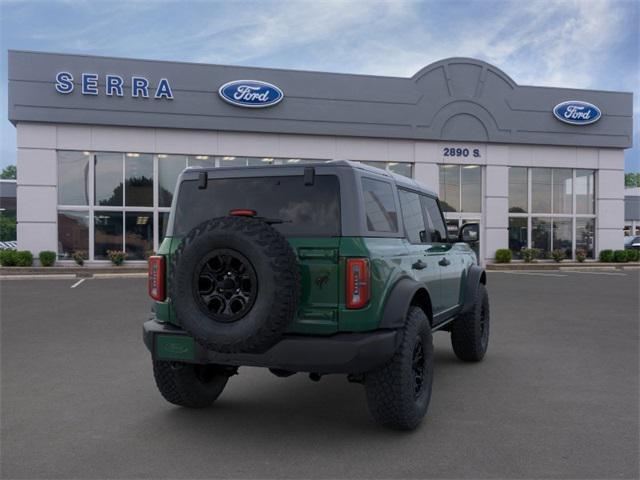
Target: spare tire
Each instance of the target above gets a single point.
(234, 284)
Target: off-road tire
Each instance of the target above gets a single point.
(278, 284)
(470, 331)
(391, 391)
(189, 385)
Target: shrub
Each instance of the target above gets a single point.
(581, 254)
(620, 256)
(117, 257)
(529, 254)
(80, 256)
(633, 255)
(558, 255)
(606, 256)
(47, 258)
(503, 255)
(8, 258)
(24, 258)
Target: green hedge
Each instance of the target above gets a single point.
(503, 255)
(633, 255)
(8, 258)
(47, 258)
(606, 256)
(24, 258)
(620, 256)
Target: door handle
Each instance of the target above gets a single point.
(444, 262)
(419, 265)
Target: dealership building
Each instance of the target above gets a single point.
(102, 140)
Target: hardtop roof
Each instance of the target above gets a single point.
(399, 180)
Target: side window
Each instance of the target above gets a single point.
(380, 207)
(412, 216)
(437, 228)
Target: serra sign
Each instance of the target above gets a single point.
(113, 85)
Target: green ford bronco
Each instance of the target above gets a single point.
(323, 268)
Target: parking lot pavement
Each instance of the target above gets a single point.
(556, 397)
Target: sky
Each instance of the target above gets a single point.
(561, 43)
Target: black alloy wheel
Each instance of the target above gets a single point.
(226, 285)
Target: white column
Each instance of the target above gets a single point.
(495, 210)
(610, 200)
(37, 188)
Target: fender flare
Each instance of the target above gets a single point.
(475, 276)
(399, 300)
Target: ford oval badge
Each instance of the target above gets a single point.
(576, 112)
(250, 93)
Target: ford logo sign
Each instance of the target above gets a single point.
(576, 112)
(250, 93)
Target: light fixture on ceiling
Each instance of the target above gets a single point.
(471, 166)
(293, 160)
(86, 153)
(392, 164)
(202, 157)
(162, 155)
(133, 155)
(267, 159)
(228, 158)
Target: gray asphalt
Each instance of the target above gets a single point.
(556, 397)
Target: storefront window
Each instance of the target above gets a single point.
(517, 235)
(230, 161)
(169, 167)
(562, 190)
(108, 179)
(585, 192)
(73, 178)
(471, 188)
(562, 235)
(553, 192)
(108, 233)
(461, 188)
(138, 174)
(201, 161)
(541, 235)
(73, 233)
(450, 188)
(163, 221)
(541, 190)
(405, 169)
(518, 190)
(138, 235)
(585, 235)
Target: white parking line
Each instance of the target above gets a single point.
(598, 273)
(78, 283)
(531, 273)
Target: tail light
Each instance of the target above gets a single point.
(157, 277)
(358, 285)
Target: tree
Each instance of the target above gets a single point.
(632, 179)
(9, 172)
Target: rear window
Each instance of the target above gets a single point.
(306, 210)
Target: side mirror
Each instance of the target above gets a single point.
(469, 233)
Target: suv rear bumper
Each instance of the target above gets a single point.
(339, 353)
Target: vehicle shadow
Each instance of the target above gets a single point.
(264, 405)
